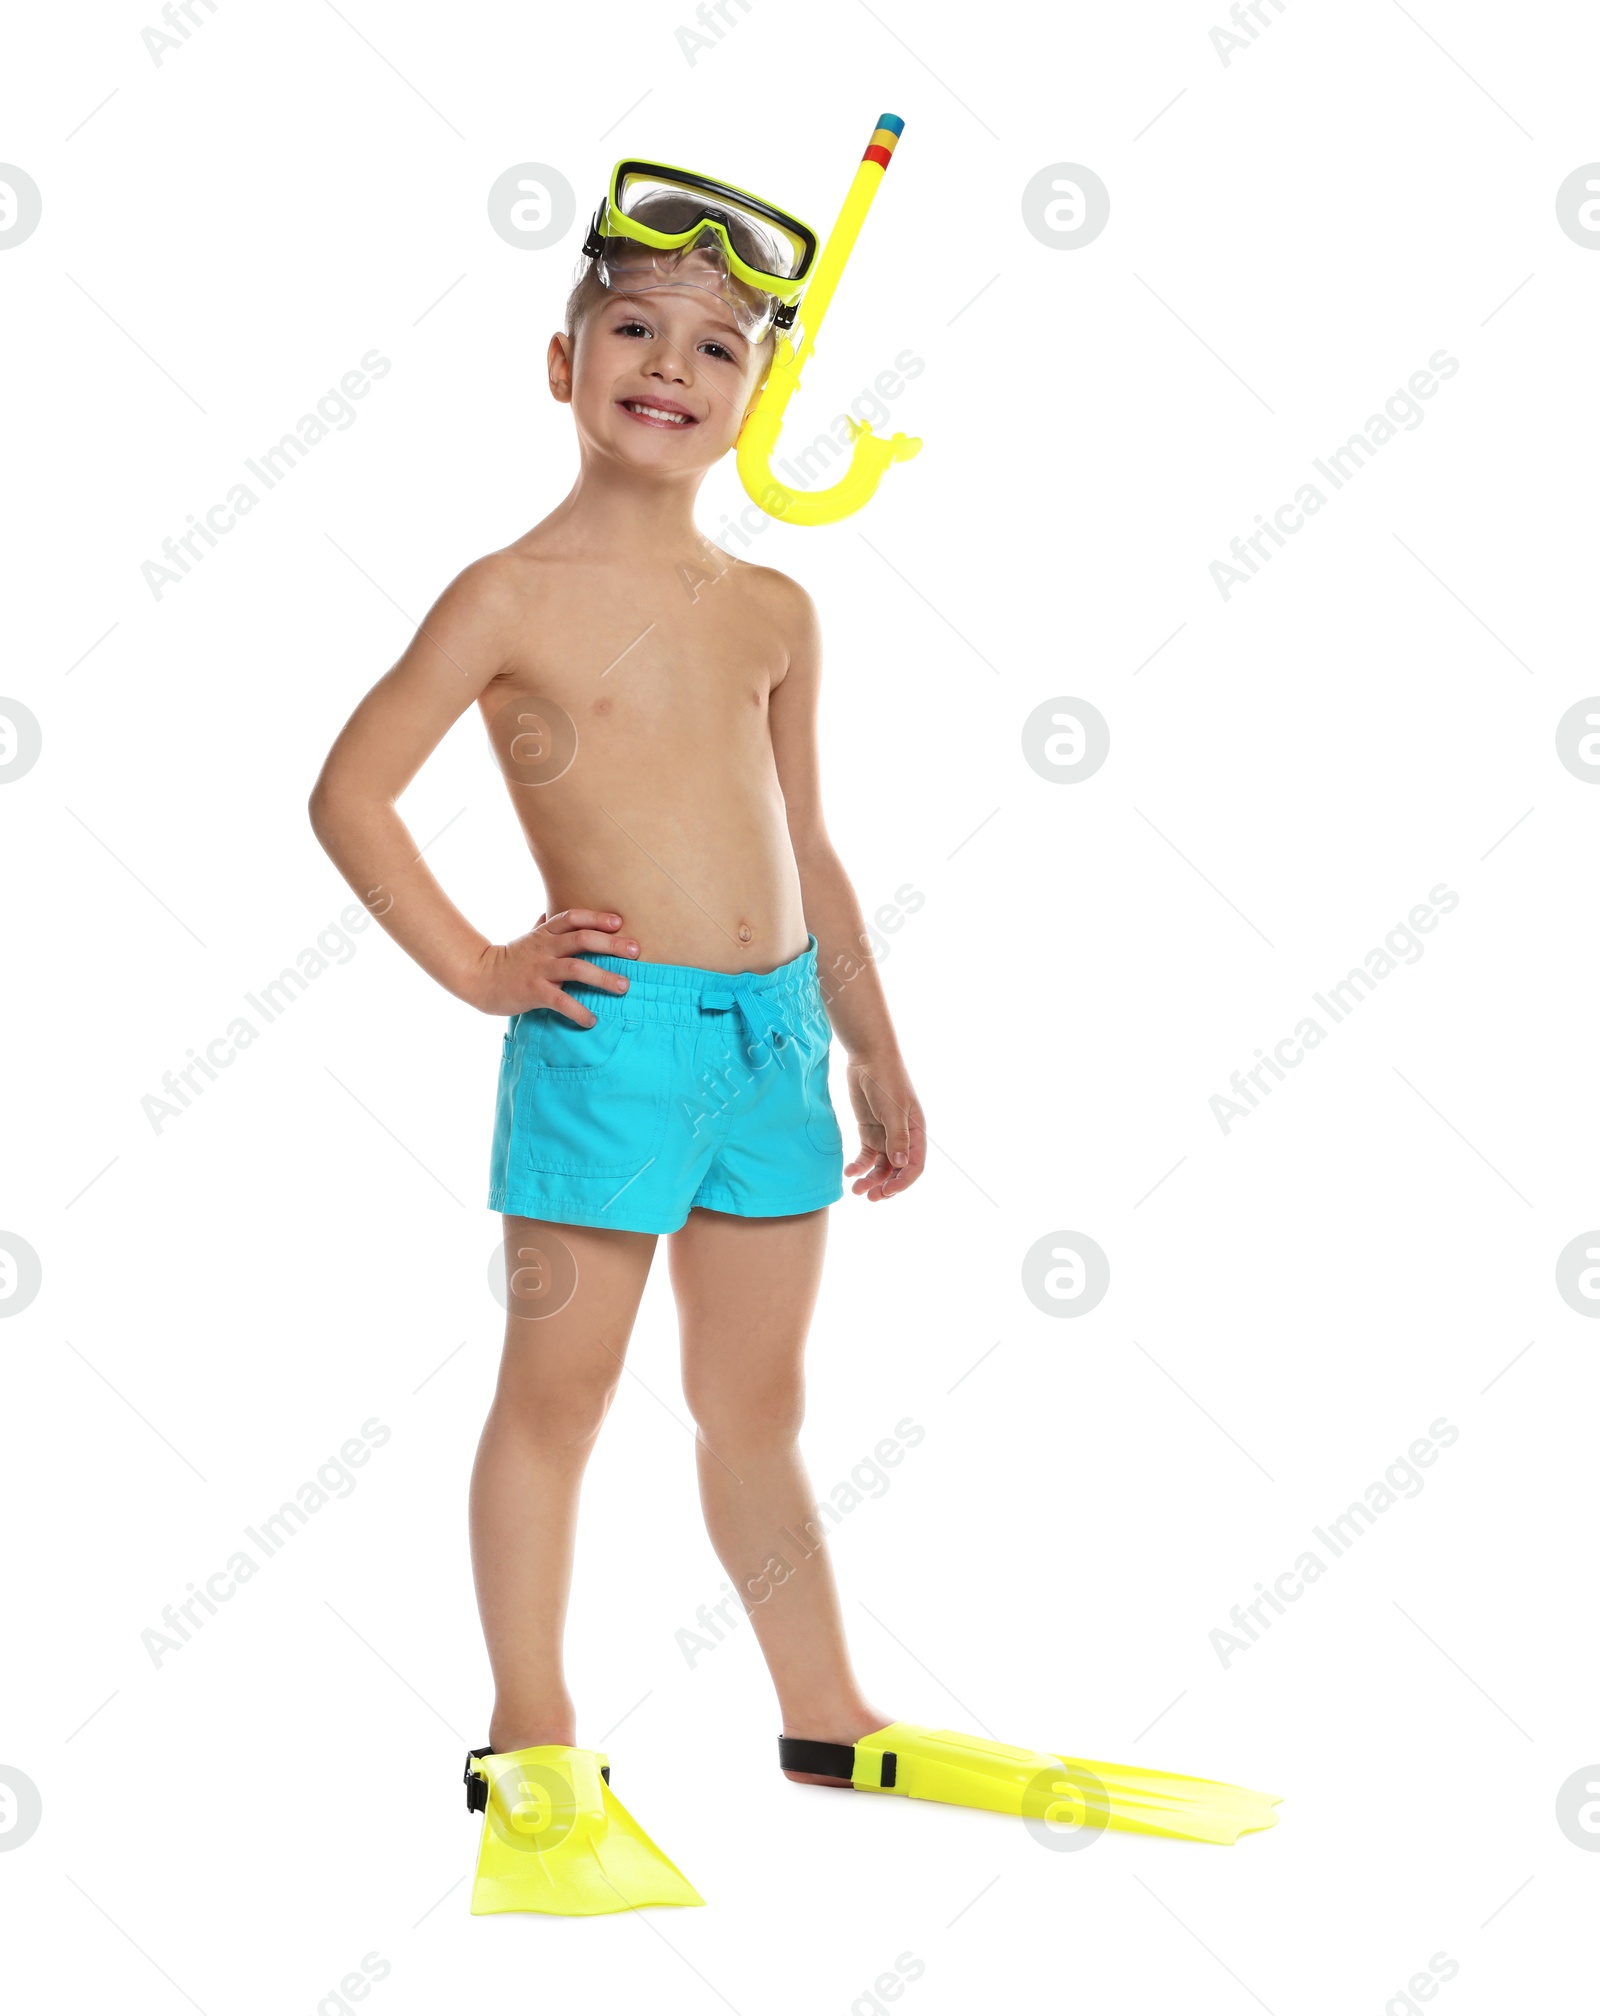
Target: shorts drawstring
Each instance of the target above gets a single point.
(760, 1016)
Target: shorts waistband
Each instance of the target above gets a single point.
(789, 993)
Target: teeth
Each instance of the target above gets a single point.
(658, 413)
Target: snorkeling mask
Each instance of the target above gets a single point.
(705, 234)
(759, 261)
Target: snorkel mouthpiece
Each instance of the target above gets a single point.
(870, 455)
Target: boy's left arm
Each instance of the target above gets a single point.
(893, 1138)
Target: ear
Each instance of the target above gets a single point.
(558, 363)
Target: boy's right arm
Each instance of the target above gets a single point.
(466, 639)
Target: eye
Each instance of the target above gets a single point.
(720, 349)
(631, 325)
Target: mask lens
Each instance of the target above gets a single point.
(629, 268)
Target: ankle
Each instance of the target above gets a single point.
(833, 1721)
(522, 1728)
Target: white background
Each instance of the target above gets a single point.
(1291, 1303)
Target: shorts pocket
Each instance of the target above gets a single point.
(563, 1047)
(582, 1114)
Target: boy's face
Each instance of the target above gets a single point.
(660, 380)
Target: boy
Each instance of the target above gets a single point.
(653, 703)
(665, 1071)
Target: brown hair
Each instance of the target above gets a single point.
(667, 211)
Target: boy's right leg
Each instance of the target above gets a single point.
(558, 1377)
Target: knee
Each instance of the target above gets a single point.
(764, 1416)
(559, 1418)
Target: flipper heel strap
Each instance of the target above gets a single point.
(822, 1760)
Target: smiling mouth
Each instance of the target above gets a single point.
(655, 416)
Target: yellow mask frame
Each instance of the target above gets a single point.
(717, 200)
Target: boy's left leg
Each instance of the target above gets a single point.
(745, 1290)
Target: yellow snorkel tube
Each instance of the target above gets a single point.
(870, 456)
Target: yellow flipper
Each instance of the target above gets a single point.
(556, 1838)
(1059, 1792)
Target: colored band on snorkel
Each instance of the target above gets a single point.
(886, 133)
(870, 456)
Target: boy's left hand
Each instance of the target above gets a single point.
(894, 1142)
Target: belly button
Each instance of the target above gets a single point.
(745, 934)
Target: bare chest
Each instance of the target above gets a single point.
(646, 665)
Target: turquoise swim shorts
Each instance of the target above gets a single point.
(694, 1087)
